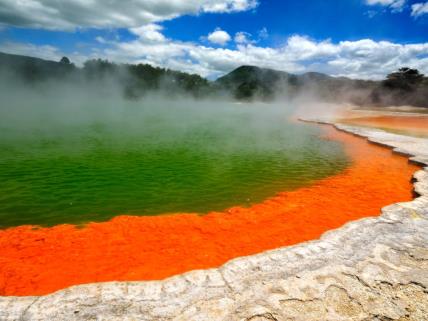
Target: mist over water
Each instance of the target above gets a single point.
(74, 156)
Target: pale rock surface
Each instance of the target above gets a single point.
(371, 269)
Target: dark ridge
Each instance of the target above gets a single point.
(404, 87)
(133, 80)
(251, 82)
(33, 69)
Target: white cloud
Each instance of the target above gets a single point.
(365, 58)
(419, 9)
(395, 5)
(45, 51)
(42, 51)
(67, 15)
(242, 37)
(302, 48)
(100, 39)
(229, 6)
(263, 33)
(150, 32)
(219, 37)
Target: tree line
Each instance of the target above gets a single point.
(134, 80)
(405, 86)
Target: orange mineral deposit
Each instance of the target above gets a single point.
(36, 261)
(408, 124)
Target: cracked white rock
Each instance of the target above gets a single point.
(370, 269)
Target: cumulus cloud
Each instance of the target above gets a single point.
(67, 15)
(219, 37)
(395, 5)
(419, 9)
(150, 32)
(242, 37)
(365, 58)
(45, 51)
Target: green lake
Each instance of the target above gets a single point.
(77, 163)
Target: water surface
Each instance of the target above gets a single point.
(74, 163)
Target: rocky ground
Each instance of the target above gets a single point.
(371, 269)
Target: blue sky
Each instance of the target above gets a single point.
(334, 19)
(354, 38)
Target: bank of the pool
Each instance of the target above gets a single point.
(43, 260)
(373, 268)
(407, 124)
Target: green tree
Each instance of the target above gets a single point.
(65, 61)
(405, 78)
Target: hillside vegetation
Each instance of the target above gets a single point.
(404, 87)
(133, 80)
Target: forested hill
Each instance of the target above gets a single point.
(134, 80)
(404, 87)
(33, 69)
(247, 82)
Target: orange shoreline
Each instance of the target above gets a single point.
(411, 124)
(37, 261)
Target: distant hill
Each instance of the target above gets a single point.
(33, 69)
(135, 80)
(248, 82)
(251, 82)
(404, 87)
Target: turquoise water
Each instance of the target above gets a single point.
(79, 163)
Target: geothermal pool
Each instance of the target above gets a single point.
(260, 180)
(156, 159)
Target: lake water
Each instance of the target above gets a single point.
(73, 163)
